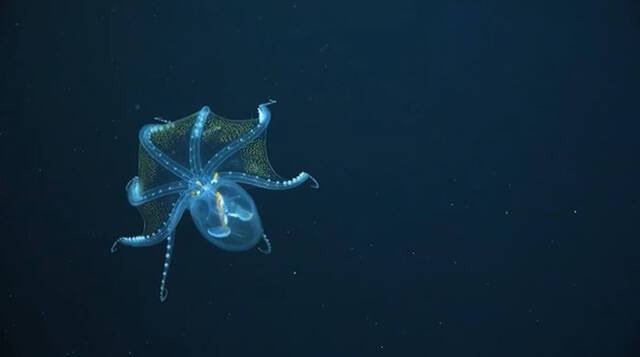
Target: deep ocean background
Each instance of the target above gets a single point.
(478, 163)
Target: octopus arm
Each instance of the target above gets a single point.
(163, 159)
(264, 117)
(165, 230)
(138, 197)
(269, 184)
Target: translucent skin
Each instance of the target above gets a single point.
(223, 211)
(226, 216)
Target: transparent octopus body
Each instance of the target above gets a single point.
(198, 163)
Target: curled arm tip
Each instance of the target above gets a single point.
(163, 294)
(114, 247)
(315, 183)
(267, 103)
(268, 244)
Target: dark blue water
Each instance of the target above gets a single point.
(478, 168)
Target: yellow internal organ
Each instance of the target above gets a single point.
(221, 209)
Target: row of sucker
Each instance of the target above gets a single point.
(157, 236)
(195, 162)
(264, 117)
(242, 177)
(158, 155)
(165, 268)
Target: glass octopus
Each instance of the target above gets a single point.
(172, 177)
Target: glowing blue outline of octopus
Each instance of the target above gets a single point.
(197, 182)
